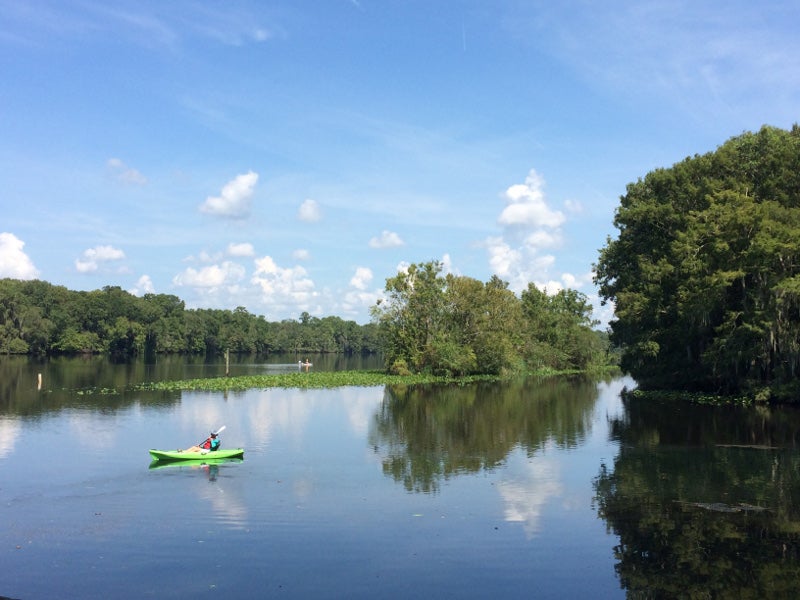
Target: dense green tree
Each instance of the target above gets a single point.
(39, 318)
(457, 325)
(560, 333)
(412, 320)
(705, 272)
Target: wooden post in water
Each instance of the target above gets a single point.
(227, 362)
(39, 382)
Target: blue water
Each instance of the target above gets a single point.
(314, 510)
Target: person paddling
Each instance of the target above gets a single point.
(210, 444)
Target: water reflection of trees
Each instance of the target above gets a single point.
(93, 382)
(429, 433)
(704, 501)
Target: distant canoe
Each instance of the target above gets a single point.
(203, 455)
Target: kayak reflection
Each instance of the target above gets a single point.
(209, 464)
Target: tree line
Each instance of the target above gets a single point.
(428, 323)
(39, 318)
(705, 272)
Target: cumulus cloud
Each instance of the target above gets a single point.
(235, 198)
(362, 278)
(124, 173)
(93, 258)
(212, 276)
(527, 206)
(144, 285)
(530, 228)
(359, 297)
(309, 211)
(243, 249)
(575, 281)
(543, 239)
(355, 300)
(387, 239)
(502, 257)
(14, 262)
(288, 286)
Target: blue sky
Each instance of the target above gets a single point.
(291, 156)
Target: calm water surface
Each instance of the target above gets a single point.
(545, 489)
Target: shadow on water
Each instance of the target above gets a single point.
(704, 501)
(425, 434)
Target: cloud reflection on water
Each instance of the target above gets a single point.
(526, 496)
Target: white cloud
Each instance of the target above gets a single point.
(301, 254)
(362, 278)
(529, 226)
(388, 239)
(126, 174)
(543, 239)
(234, 200)
(93, 258)
(527, 207)
(144, 285)
(243, 249)
(309, 211)
(576, 281)
(212, 276)
(356, 300)
(14, 262)
(360, 297)
(283, 286)
(447, 265)
(502, 257)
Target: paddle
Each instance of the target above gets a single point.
(217, 432)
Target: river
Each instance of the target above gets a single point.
(545, 488)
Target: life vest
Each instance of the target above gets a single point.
(210, 444)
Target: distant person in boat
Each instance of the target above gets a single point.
(211, 444)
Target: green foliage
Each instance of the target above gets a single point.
(303, 380)
(704, 274)
(453, 325)
(42, 319)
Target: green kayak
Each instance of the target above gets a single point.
(206, 454)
